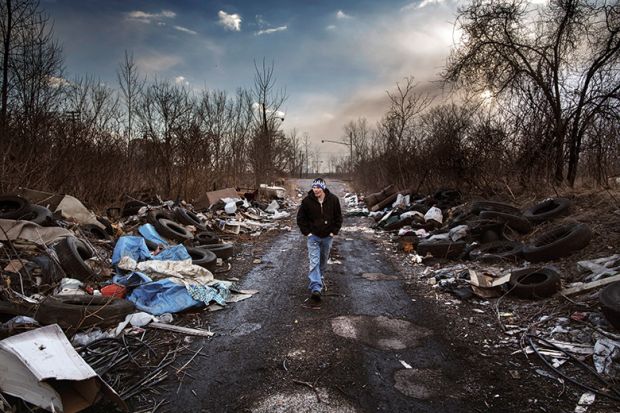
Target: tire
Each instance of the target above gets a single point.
(109, 229)
(13, 206)
(441, 249)
(547, 210)
(609, 298)
(153, 216)
(516, 222)
(223, 251)
(558, 242)
(95, 232)
(534, 283)
(497, 251)
(77, 312)
(171, 230)
(203, 257)
(486, 230)
(72, 254)
(131, 208)
(207, 238)
(39, 215)
(189, 218)
(479, 206)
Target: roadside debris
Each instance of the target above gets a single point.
(484, 252)
(66, 268)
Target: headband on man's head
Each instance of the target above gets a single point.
(319, 183)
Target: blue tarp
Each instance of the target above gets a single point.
(149, 232)
(132, 279)
(130, 246)
(176, 253)
(163, 296)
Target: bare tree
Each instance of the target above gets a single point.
(165, 115)
(268, 117)
(568, 50)
(132, 85)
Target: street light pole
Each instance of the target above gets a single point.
(350, 145)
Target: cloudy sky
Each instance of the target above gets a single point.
(335, 58)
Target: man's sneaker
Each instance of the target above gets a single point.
(316, 295)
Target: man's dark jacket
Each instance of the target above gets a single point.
(320, 220)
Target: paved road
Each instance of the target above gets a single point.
(278, 353)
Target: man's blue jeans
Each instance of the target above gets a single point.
(318, 253)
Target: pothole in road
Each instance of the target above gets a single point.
(377, 276)
(304, 401)
(380, 332)
(417, 383)
(245, 328)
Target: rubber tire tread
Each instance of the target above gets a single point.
(153, 216)
(77, 312)
(94, 231)
(71, 261)
(17, 206)
(558, 242)
(484, 251)
(516, 222)
(441, 249)
(207, 238)
(479, 206)
(189, 218)
(203, 257)
(609, 299)
(223, 251)
(559, 207)
(39, 215)
(171, 230)
(545, 288)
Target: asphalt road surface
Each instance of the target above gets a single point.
(367, 347)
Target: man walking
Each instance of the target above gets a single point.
(319, 218)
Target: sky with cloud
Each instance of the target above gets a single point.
(335, 58)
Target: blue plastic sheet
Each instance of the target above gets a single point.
(130, 246)
(132, 279)
(176, 253)
(149, 232)
(163, 296)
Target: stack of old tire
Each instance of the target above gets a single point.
(71, 252)
(71, 312)
(18, 208)
(171, 225)
(558, 241)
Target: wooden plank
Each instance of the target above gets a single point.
(182, 330)
(590, 286)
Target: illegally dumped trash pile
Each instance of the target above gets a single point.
(482, 251)
(90, 289)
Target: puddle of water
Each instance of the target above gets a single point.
(303, 401)
(245, 328)
(380, 332)
(377, 276)
(417, 383)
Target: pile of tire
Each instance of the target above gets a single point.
(560, 240)
(18, 208)
(205, 246)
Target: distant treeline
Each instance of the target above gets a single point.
(535, 93)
